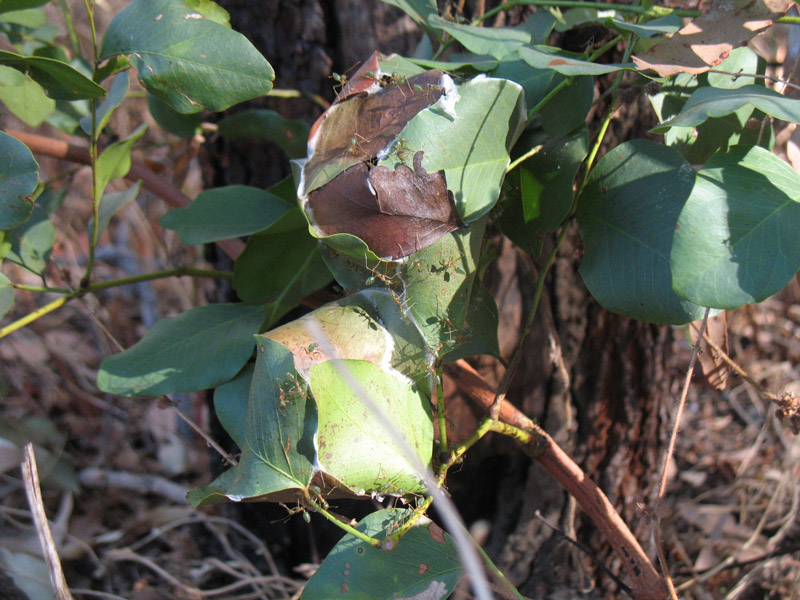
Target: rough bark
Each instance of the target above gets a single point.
(594, 381)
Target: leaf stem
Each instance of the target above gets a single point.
(39, 288)
(523, 158)
(69, 23)
(102, 285)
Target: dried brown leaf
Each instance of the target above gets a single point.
(708, 39)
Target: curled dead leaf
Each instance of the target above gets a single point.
(707, 40)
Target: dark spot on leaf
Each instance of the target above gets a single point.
(360, 550)
(344, 587)
(422, 568)
(436, 533)
(557, 62)
(677, 227)
(603, 191)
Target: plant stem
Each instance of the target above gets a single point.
(39, 288)
(102, 285)
(523, 158)
(498, 573)
(517, 356)
(440, 410)
(374, 542)
(655, 11)
(69, 23)
(561, 85)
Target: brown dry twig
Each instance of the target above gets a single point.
(646, 583)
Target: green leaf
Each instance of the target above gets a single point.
(210, 10)
(6, 295)
(279, 269)
(24, 97)
(197, 350)
(115, 161)
(418, 10)
(737, 238)
(425, 565)
(186, 60)
(479, 333)
(566, 111)
(359, 405)
(278, 448)
(11, 5)
(19, 174)
(494, 41)
(116, 94)
(32, 242)
(224, 213)
(471, 148)
(535, 82)
(230, 403)
(185, 126)
(112, 203)
(659, 26)
(740, 60)
(542, 195)
(628, 212)
(262, 124)
(436, 283)
(61, 81)
(367, 325)
(567, 63)
(716, 102)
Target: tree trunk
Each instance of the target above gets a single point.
(594, 381)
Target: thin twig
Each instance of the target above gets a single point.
(670, 451)
(30, 474)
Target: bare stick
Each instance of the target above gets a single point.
(30, 474)
(662, 488)
(646, 583)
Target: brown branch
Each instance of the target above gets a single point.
(646, 583)
(151, 182)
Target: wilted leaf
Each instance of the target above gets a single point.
(407, 210)
(708, 39)
(369, 112)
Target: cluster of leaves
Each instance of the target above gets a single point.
(391, 199)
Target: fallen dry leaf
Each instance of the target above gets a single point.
(708, 39)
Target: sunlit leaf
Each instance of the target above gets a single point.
(716, 102)
(188, 61)
(361, 410)
(494, 41)
(199, 349)
(736, 240)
